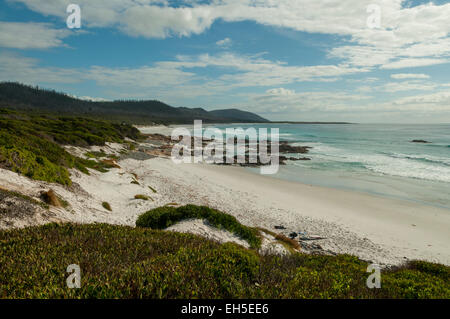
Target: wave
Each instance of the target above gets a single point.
(306, 143)
(423, 157)
(436, 145)
(419, 166)
(426, 172)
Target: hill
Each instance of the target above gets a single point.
(239, 116)
(23, 97)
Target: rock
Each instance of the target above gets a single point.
(293, 235)
(285, 147)
(280, 227)
(419, 141)
(311, 238)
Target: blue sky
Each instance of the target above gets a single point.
(285, 59)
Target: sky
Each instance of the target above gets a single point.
(367, 61)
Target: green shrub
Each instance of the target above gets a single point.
(28, 164)
(163, 217)
(158, 218)
(416, 284)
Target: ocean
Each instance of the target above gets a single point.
(372, 158)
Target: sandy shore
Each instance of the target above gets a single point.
(376, 229)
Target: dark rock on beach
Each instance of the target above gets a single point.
(293, 235)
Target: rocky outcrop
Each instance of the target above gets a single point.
(161, 145)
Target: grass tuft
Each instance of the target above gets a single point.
(142, 197)
(51, 198)
(107, 206)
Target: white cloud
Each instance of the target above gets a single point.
(400, 76)
(255, 71)
(393, 87)
(225, 43)
(434, 101)
(408, 36)
(30, 35)
(412, 62)
(281, 100)
(17, 68)
(161, 22)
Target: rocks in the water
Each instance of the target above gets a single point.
(420, 141)
(285, 147)
(160, 145)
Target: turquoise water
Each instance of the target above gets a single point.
(373, 158)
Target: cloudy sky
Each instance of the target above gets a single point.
(283, 59)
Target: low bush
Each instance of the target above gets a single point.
(163, 217)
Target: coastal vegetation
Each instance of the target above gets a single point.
(163, 217)
(31, 144)
(126, 262)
